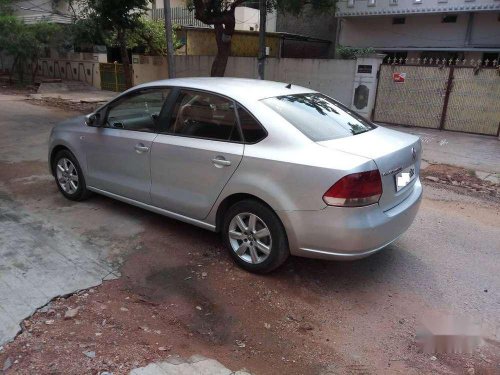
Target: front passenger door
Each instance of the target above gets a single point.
(118, 153)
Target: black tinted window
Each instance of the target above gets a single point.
(138, 111)
(203, 115)
(319, 117)
(252, 131)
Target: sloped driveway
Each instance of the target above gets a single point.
(38, 260)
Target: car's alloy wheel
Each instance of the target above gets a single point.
(250, 238)
(254, 236)
(67, 176)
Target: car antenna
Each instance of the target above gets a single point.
(289, 86)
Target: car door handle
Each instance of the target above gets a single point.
(219, 161)
(140, 148)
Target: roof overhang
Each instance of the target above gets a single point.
(46, 17)
(442, 49)
(419, 9)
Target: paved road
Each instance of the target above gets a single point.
(39, 259)
(361, 316)
(476, 152)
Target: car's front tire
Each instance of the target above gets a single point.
(255, 237)
(69, 176)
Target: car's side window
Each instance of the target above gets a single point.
(139, 111)
(252, 131)
(203, 115)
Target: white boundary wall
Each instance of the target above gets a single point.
(332, 77)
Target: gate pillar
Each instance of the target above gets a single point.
(365, 84)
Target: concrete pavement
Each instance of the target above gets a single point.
(195, 365)
(73, 91)
(470, 151)
(38, 260)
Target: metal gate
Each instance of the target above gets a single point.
(458, 98)
(417, 100)
(112, 77)
(474, 101)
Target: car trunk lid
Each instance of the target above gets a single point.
(392, 151)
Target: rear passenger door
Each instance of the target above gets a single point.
(195, 154)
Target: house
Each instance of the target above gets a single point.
(32, 11)
(247, 17)
(292, 27)
(451, 29)
(321, 26)
(200, 41)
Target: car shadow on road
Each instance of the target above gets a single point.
(171, 243)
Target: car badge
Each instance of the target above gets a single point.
(414, 153)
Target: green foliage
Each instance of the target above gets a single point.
(85, 31)
(149, 35)
(353, 53)
(26, 43)
(5, 7)
(114, 15)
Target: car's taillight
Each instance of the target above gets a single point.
(355, 190)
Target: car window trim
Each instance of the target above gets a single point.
(107, 107)
(175, 95)
(178, 90)
(257, 121)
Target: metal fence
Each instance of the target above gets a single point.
(180, 16)
(443, 62)
(452, 95)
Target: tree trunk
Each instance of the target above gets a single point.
(34, 70)
(224, 24)
(127, 69)
(11, 73)
(223, 51)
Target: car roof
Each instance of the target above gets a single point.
(240, 89)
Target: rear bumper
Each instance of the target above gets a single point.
(340, 233)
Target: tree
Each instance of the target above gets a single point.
(5, 7)
(117, 18)
(351, 53)
(150, 35)
(220, 14)
(25, 43)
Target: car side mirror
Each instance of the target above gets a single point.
(93, 119)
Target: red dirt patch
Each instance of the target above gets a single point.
(459, 177)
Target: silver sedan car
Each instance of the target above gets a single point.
(277, 169)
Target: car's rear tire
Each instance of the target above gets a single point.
(69, 176)
(255, 236)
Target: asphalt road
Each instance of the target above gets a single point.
(308, 317)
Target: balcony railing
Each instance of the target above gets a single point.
(180, 16)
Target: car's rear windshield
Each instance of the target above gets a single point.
(319, 117)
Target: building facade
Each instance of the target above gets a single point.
(247, 17)
(309, 23)
(32, 11)
(418, 29)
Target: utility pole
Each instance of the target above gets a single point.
(170, 42)
(262, 38)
